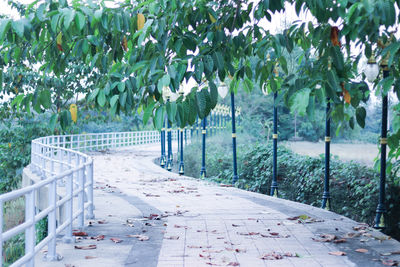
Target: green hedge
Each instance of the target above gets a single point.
(354, 187)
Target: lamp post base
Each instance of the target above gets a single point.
(326, 201)
(234, 179)
(169, 165)
(274, 190)
(181, 169)
(379, 218)
(202, 173)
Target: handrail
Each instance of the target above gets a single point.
(66, 172)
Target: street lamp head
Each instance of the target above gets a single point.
(371, 71)
(264, 89)
(223, 90)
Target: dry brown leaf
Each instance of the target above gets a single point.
(90, 257)
(225, 185)
(172, 237)
(79, 234)
(274, 233)
(390, 262)
(236, 225)
(98, 238)
(212, 251)
(233, 264)
(248, 233)
(337, 253)
(140, 237)
(116, 240)
(102, 222)
(395, 252)
(362, 250)
(342, 240)
(86, 247)
(325, 238)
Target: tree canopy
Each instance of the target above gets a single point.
(138, 47)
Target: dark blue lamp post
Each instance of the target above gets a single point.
(167, 94)
(326, 198)
(371, 72)
(181, 164)
(274, 185)
(163, 158)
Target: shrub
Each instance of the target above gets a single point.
(354, 188)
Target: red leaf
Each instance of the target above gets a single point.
(79, 234)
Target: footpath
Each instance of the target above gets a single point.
(147, 216)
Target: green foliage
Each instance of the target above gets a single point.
(354, 187)
(15, 143)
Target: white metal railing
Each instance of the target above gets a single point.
(66, 173)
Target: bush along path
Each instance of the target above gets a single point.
(354, 188)
(146, 216)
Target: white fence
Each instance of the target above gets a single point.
(66, 174)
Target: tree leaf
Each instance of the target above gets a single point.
(148, 111)
(5, 25)
(101, 98)
(45, 99)
(69, 16)
(360, 116)
(299, 101)
(53, 121)
(114, 100)
(18, 27)
(80, 20)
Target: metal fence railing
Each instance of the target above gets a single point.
(66, 174)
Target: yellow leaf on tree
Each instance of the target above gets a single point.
(140, 21)
(213, 20)
(59, 41)
(346, 94)
(73, 109)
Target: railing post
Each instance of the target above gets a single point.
(203, 148)
(52, 222)
(30, 233)
(89, 177)
(81, 188)
(68, 238)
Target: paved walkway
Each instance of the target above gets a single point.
(146, 216)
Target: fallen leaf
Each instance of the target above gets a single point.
(98, 238)
(395, 252)
(337, 253)
(385, 253)
(351, 235)
(342, 240)
(236, 225)
(116, 240)
(390, 262)
(180, 226)
(325, 238)
(248, 233)
(90, 257)
(233, 264)
(362, 250)
(86, 247)
(102, 222)
(274, 233)
(140, 237)
(212, 251)
(226, 185)
(79, 234)
(172, 237)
